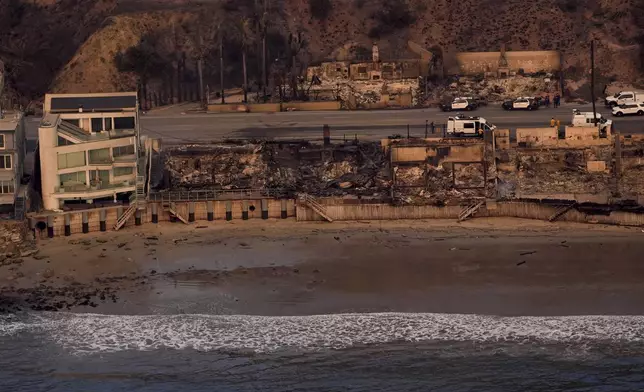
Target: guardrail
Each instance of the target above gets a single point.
(215, 194)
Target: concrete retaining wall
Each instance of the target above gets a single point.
(321, 105)
(537, 136)
(54, 224)
(272, 107)
(88, 221)
(378, 212)
(525, 210)
(473, 63)
(240, 107)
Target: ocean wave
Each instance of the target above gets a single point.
(87, 333)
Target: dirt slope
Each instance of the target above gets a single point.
(71, 45)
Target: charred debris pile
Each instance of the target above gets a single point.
(285, 167)
(434, 171)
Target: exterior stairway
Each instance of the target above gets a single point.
(140, 192)
(137, 202)
(313, 204)
(171, 209)
(470, 210)
(126, 216)
(563, 209)
(19, 206)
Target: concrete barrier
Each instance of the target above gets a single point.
(536, 137)
(239, 107)
(320, 105)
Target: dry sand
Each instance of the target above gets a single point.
(492, 266)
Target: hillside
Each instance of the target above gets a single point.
(74, 45)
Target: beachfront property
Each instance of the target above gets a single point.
(88, 148)
(12, 155)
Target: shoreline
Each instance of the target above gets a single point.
(499, 266)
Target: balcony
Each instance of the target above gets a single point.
(100, 161)
(125, 160)
(99, 188)
(80, 136)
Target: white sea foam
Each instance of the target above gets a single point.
(86, 333)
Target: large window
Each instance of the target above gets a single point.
(6, 187)
(123, 150)
(2, 145)
(123, 171)
(73, 178)
(123, 122)
(5, 162)
(72, 159)
(101, 177)
(100, 156)
(64, 142)
(97, 124)
(108, 124)
(73, 121)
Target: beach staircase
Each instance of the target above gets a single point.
(314, 205)
(126, 216)
(561, 211)
(137, 202)
(19, 206)
(470, 210)
(140, 192)
(171, 208)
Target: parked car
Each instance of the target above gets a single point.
(521, 103)
(629, 109)
(624, 97)
(460, 103)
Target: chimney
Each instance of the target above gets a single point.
(326, 134)
(375, 56)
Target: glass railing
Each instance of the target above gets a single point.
(100, 161)
(100, 186)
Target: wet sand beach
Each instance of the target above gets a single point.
(504, 267)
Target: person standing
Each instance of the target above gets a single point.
(557, 100)
(552, 122)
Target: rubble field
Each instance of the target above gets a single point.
(290, 167)
(539, 171)
(422, 172)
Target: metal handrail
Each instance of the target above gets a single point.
(214, 194)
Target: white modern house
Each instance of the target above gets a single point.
(12, 155)
(89, 149)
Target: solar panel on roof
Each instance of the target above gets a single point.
(93, 103)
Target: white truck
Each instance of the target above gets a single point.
(624, 97)
(588, 119)
(467, 126)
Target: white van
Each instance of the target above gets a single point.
(588, 119)
(468, 126)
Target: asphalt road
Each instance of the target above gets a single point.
(177, 127)
(173, 126)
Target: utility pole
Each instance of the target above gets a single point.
(592, 79)
(264, 55)
(200, 71)
(221, 66)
